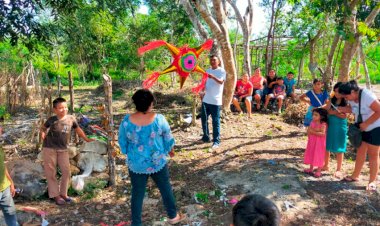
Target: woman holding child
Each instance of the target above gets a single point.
(369, 124)
(146, 139)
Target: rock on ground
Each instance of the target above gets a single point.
(28, 176)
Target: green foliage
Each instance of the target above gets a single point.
(4, 113)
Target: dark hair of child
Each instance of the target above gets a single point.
(323, 113)
(142, 99)
(255, 210)
(290, 72)
(57, 101)
(316, 80)
(347, 87)
(280, 78)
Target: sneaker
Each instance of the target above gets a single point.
(215, 146)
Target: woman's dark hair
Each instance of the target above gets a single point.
(142, 99)
(334, 100)
(323, 113)
(347, 87)
(255, 210)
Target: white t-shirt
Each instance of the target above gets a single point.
(367, 98)
(214, 90)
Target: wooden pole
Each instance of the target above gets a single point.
(59, 86)
(71, 90)
(107, 82)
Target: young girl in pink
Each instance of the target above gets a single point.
(316, 144)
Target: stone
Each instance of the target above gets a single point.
(74, 170)
(28, 176)
(73, 151)
(98, 162)
(94, 146)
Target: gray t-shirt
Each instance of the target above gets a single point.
(214, 90)
(59, 131)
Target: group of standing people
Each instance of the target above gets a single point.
(326, 121)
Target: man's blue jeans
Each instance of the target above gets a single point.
(8, 207)
(162, 180)
(214, 111)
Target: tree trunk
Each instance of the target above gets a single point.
(235, 48)
(350, 46)
(330, 58)
(246, 26)
(300, 70)
(107, 81)
(219, 28)
(269, 36)
(357, 66)
(367, 78)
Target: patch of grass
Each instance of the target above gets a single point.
(269, 133)
(90, 189)
(117, 94)
(286, 186)
(4, 115)
(202, 197)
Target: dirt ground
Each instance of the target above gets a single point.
(261, 155)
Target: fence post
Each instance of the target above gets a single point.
(107, 82)
(71, 90)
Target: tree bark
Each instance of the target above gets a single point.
(330, 58)
(246, 26)
(219, 28)
(350, 46)
(300, 69)
(312, 44)
(200, 30)
(269, 36)
(367, 78)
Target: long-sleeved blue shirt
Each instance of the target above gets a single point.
(147, 146)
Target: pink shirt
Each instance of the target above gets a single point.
(257, 82)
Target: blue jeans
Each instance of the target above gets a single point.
(138, 181)
(8, 207)
(214, 111)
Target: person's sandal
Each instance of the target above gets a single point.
(179, 218)
(68, 199)
(317, 174)
(350, 179)
(59, 201)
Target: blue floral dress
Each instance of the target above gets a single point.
(146, 146)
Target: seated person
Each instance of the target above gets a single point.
(243, 92)
(271, 80)
(290, 82)
(257, 81)
(255, 210)
(279, 92)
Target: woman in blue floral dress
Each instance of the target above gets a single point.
(145, 137)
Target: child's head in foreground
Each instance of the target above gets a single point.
(255, 210)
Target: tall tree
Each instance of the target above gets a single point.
(355, 36)
(246, 23)
(217, 22)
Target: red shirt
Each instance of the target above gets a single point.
(242, 88)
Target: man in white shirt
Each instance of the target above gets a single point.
(212, 101)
